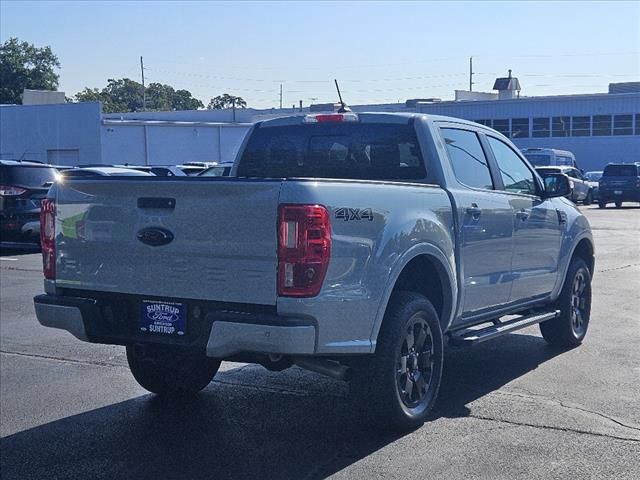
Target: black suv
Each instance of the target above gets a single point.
(23, 185)
(620, 182)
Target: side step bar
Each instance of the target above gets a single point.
(468, 337)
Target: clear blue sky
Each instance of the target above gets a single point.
(379, 51)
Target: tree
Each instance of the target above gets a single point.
(23, 65)
(226, 101)
(125, 95)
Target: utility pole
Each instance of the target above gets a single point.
(144, 90)
(280, 96)
(471, 74)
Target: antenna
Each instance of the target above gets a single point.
(343, 106)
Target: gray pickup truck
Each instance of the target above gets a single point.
(353, 245)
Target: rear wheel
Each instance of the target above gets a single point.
(618, 204)
(399, 386)
(165, 370)
(589, 199)
(602, 204)
(574, 303)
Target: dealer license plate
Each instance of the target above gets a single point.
(163, 318)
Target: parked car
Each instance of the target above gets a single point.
(581, 190)
(593, 178)
(219, 170)
(195, 168)
(157, 170)
(549, 157)
(347, 244)
(104, 172)
(23, 185)
(620, 182)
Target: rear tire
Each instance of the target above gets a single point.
(618, 204)
(399, 385)
(602, 204)
(589, 199)
(165, 370)
(570, 327)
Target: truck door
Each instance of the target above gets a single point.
(537, 225)
(485, 224)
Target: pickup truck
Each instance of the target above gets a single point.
(353, 245)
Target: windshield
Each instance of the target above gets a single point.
(620, 171)
(334, 150)
(27, 176)
(538, 159)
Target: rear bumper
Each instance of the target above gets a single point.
(219, 333)
(625, 195)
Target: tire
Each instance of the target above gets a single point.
(398, 386)
(602, 204)
(167, 371)
(618, 204)
(569, 329)
(589, 199)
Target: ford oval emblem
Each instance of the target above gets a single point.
(155, 236)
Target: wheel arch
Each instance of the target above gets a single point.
(425, 270)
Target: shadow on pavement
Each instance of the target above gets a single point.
(282, 429)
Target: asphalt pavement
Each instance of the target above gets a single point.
(510, 408)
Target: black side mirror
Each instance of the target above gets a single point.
(555, 185)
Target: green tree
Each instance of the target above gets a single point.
(23, 65)
(125, 95)
(226, 101)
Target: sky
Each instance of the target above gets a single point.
(380, 52)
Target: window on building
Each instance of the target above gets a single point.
(622, 125)
(581, 126)
(486, 122)
(540, 127)
(516, 176)
(637, 124)
(601, 125)
(502, 126)
(560, 126)
(467, 158)
(519, 128)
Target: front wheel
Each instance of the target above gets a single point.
(618, 204)
(165, 370)
(400, 384)
(602, 204)
(574, 303)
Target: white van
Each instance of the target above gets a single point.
(549, 157)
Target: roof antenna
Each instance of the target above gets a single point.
(343, 106)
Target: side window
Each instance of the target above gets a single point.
(516, 176)
(467, 158)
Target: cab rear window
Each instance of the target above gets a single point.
(328, 150)
(621, 171)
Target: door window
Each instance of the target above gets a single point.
(467, 158)
(516, 176)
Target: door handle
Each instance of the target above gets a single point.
(522, 215)
(474, 211)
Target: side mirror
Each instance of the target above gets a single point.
(555, 185)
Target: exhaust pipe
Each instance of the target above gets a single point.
(324, 367)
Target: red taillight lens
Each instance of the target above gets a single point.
(48, 237)
(304, 248)
(11, 191)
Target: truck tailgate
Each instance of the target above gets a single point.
(224, 245)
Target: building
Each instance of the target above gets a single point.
(598, 128)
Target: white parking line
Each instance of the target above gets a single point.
(10, 259)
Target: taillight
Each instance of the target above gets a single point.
(48, 237)
(11, 190)
(304, 248)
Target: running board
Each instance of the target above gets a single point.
(468, 337)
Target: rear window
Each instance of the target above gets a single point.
(620, 171)
(330, 150)
(538, 160)
(27, 176)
